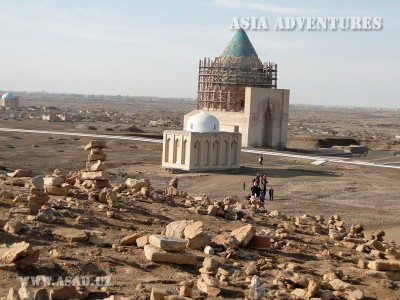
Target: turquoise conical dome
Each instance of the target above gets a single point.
(240, 49)
(239, 46)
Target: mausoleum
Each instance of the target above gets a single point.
(201, 146)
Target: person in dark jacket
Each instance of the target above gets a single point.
(271, 194)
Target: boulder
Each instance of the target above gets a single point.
(16, 251)
(37, 182)
(130, 240)
(25, 293)
(137, 184)
(200, 241)
(244, 234)
(299, 293)
(13, 226)
(260, 242)
(339, 285)
(377, 245)
(57, 190)
(21, 173)
(54, 180)
(96, 165)
(12, 295)
(71, 234)
(99, 240)
(6, 194)
(28, 260)
(95, 144)
(142, 241)
(384, 265)
(212, 210)
(69, 292)
(168, 243)
(155, 254)
(42, 294)
(177, 228)
(356, 295)
(171, 191)
(197, 237)
(211, 291)
(97, 175)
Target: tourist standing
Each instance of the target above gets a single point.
(271, 194)
(260, 160)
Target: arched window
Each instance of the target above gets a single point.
(215, 154)
(166, 151)
(207, 153)
(176, 150)
(224, 152)
(183, 158)
(233, 159)
(197, 153)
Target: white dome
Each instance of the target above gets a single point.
(8, 96)
(202, 122)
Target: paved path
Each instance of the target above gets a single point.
(318, 160)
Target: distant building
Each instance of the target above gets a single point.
(202, 146)
(51, 117)
(9, 100)
(242, 93)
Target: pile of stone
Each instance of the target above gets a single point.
(207, 282)
(337, 231)
(168, 249)
(311, 224)
(228, 208)
(55, 184)
(193, 232)
(172, 189)
(243, 237)
(38, 195)
(95, 176)
(139, 187)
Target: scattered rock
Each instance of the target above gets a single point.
(130, 240)
(168, 243)
(244, 234)
(69, 292)
(155, 254)
(71, 234)
(13, 226)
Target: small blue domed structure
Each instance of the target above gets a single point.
(203, 122)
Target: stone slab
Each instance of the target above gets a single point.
(154, 254)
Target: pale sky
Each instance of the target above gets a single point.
(152, 48)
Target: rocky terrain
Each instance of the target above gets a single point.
(87, 230)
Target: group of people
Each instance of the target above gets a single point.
(259, 188)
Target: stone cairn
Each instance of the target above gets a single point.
(95, 176)
(55, 184)
(38, 195)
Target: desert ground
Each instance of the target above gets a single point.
(358, 194)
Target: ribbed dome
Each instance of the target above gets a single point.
(8, 96)
(203, 122)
